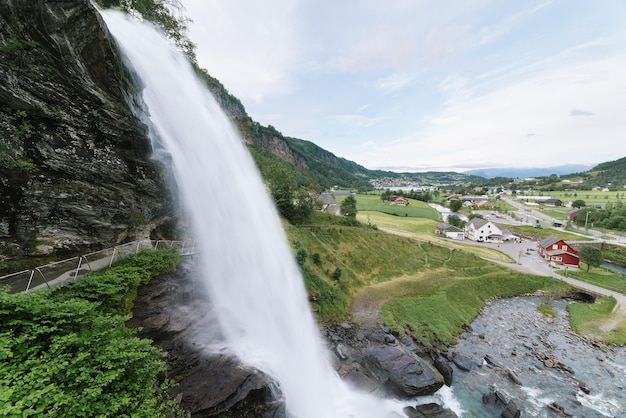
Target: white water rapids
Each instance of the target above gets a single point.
(250, 271)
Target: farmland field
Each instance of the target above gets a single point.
(373, 203)
(589, 197)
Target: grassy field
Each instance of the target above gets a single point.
(423, 230)
(539, 234)
(591, 319)
(599, 276)
(373, 203)
(440, 315)
(590, 198)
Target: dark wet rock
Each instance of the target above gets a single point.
(463, 362)
(408, 342)
(560, 410)
(513, 378)
(489, 359)
(401, 372)
(172, 311)
(443, 367)
(430, 410)
(499, 400)
(511, 411)
(360, 381)
(375, 338)
(373, 358)
(583, 386)
(76, 172)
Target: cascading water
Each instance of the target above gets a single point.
(250, 271)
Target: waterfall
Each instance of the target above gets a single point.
(250, 272)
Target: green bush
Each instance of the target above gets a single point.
(65, 355)
(301, 256)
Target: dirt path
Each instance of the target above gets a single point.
(365, 312)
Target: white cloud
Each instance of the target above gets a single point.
(250, 47)
(394, 82)
(525, 124)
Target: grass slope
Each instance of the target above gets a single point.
(431, 289)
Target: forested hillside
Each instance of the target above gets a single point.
(611, 172)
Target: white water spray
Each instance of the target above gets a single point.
(250, 271)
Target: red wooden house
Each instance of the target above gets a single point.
(558, 252)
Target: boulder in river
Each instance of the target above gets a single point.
(401, 372)
(430, 410)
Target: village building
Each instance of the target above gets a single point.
(557, 252)
(399, 200)
(572, 214)
(450, 231)
(551, 202)
(477, 202)
(481, 230)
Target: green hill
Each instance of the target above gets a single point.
(397, 275)
(611, 173)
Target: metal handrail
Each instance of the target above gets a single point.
(70, 275)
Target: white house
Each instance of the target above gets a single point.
(480, 230)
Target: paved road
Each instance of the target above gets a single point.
(530, 216)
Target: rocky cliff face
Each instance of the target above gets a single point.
(75, 168)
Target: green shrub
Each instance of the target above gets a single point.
(546, 310)
(68, 353)
(301, 256)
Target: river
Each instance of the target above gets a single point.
(614, 267)
(445, 212)
(555, 366)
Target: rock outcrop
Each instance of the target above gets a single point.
(375, 360)
(404, 374)
(75, 167)
(174, 312)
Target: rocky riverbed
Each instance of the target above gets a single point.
(520, 356)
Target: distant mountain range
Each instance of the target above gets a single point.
(490, 173)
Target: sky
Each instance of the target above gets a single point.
(427, 85)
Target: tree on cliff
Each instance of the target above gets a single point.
(591, 256)
(294, 205)
(161, 13)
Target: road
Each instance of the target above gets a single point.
(530, 216)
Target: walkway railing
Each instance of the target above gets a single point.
(68, 271)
